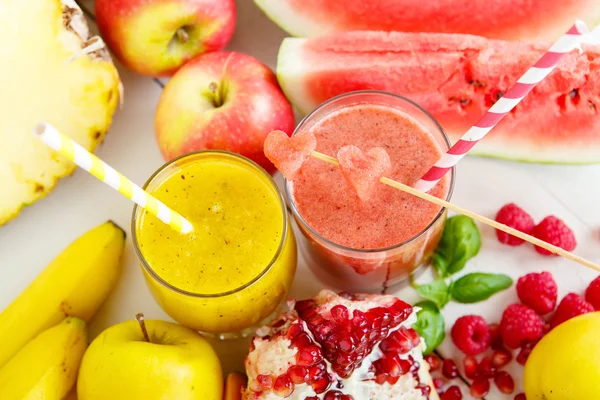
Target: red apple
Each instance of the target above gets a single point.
(156, 37)
(221, 100)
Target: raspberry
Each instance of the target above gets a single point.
(471, 335)
(592, 294)
(570, 306)
(538, 291)
(556, 232)
(515, 217)
(520, 324)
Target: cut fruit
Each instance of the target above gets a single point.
(289, 153)
(48, 77)
(343, 347)
(457, 78)
(361, 170)
(528, 20)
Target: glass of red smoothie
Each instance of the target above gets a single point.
(369, 245)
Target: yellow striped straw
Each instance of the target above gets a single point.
(98, 168)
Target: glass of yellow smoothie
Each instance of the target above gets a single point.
(237, 266)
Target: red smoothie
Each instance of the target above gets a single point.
(367, 244)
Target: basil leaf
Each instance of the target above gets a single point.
(460, 242)
(438, 292)
(479, 286)
(430, 325)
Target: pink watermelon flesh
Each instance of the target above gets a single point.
(289, 153)
(363, 170)
(528, 20)
(457, 78)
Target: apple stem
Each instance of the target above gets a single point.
(182, 35)
(216, 94)
(141, 320)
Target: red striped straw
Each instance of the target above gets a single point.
(568, 42)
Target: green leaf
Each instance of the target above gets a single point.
(430, 325)
(460, 242)
(438, 292)
(479, 286)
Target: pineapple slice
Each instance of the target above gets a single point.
(51, 70)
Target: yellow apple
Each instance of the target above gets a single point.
(150, 360)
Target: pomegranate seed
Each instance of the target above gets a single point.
(501, 357)
(346, 344)
(347, 397)
(321, 385)
(339, 313)
(520, 396)
(438, 384)
(283, 386)
(399, 341)
(505, 382)
(311, 398)
(381, 379)
(316, 372)
(265, 381)
(294, 330)
(333, 395)
(392, 380)
(434, 362)
(310, 355)
(414, 337)
(496, 339)
(344, 359)
(324, 329)
(449, 369)
(400, 311)
(480, 387)
(426, 390)
(303, 305)
(301, 341)
(359, 319)
(298, 374)
(391, 365)
(485, 368)
(452, 393)
(471, 367)
(524, 353)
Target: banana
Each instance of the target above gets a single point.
(46, 368)
(75, 284)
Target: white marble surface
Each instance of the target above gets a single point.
(79, 203)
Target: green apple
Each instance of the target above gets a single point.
(150, 360)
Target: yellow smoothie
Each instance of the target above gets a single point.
(238, 264)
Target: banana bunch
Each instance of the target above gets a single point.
(43, 332)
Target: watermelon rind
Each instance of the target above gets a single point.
(291, 70)
(289, 20)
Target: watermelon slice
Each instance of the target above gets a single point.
(363, 170)
(498, 19)
(457, 78)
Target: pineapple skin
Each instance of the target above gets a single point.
(48, 77)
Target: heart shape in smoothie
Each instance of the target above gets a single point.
(363, 170)
(289, 153)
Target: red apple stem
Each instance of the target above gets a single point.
(182, 35)
(217, 98)
(142, 321)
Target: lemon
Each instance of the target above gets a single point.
(565, 364)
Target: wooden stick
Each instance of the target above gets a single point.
(484, 220)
